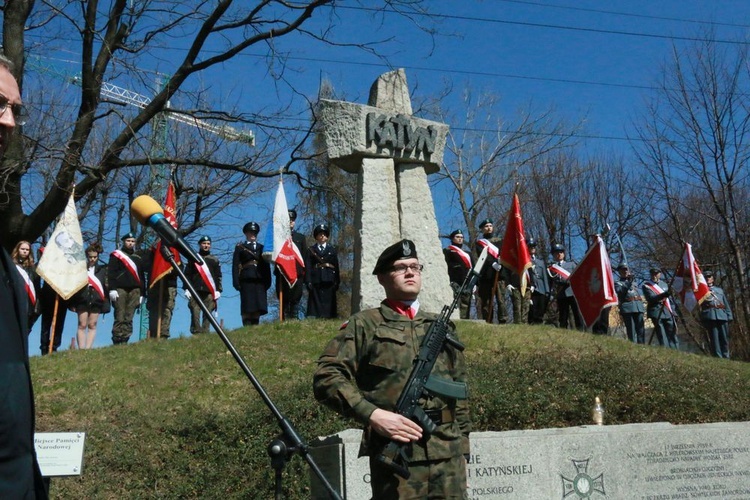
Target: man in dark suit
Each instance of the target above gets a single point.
(290, 296)
(19, 471)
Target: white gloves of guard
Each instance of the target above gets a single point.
(496, 266)
(113, 295)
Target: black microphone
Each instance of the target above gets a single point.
(149, 213)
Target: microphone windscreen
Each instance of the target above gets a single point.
(144, 207)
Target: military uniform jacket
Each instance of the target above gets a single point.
(214, 267)
(716, 306)
(655, 301)
(323, 266)
(562, 285)
(538, 273)
(457, 267)
(366, 366)
(630, 298)
(119, 276)
(249, 265)
(487, 273)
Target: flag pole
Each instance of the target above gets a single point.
(159, 310)
(281, 302)
(54, 324)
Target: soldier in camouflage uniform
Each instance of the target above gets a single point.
(364, 368)
(459, 264)
(126, 287)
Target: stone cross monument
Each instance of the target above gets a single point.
(391, 152)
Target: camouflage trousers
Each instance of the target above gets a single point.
(125, 306)
(160, 307)
(196, 325)
(520, 305)
(430, 479)
(464, 304)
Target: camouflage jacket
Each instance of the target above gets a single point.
(366, 366)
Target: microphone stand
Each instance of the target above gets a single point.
(289, 441)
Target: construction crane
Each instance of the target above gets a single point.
(122, 95)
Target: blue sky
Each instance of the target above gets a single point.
(591, 60)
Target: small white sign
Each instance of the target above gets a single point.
(60, 453)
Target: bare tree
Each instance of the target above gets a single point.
(695, 145)
(487, 154)
(98, 136)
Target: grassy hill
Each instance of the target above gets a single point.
(179, 419)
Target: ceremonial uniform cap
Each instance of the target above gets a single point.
(708, 274)
(485, 222)
(204, 238)
(321, 228)
(557, 248)
(530, 242)
(623, 265)
(251, 227)
(455, 232)
(127, 236)
(655, 270)
(404, 249)
(292, 214)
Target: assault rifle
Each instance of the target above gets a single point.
(421, 382)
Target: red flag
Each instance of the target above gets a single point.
(515, 254)
(285, 255)
(161, 267)
(689, 281)
(592, 283)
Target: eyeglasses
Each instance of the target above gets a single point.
(19, 112)
(403, 268)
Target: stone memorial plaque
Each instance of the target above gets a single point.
(629, 462)
(60, 453)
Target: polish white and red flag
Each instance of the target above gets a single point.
(592, 284)
(689, 282)
(285, 254)
(514, 253)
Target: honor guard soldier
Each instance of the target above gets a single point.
(251, 275)
(323, 276)
(363, 370)
(459, 263)
(631, 304)
(206, 279)
(539, 285)
(491, 285)
(290, 297)
(716, 313)
(126, 287)
(659, 309)
(559, 272)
